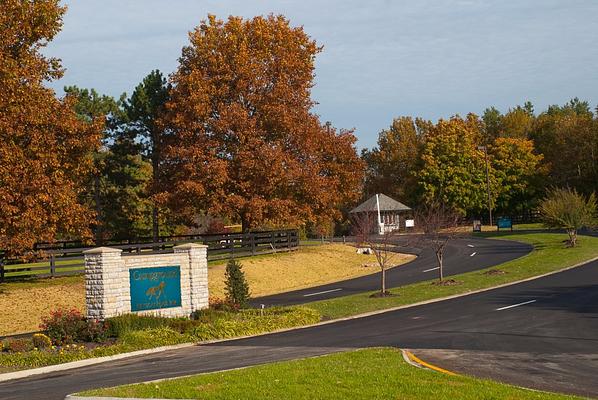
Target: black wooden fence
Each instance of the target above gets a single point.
(63, 259)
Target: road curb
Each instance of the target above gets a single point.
(92, 361)
(417, 362)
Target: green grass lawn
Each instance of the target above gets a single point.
(549, 254)
(531, 226)
(378, 373)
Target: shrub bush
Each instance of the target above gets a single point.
(64, 326)
(19, 345)
(41, 341)
(219, 304)
(141, 332)
(133, 322)
(69, 326)
(236, 286)
(95, 331)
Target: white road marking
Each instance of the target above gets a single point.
(473, 254)
(326, 291)
(515, 305)
(431, 269)
(470, 245)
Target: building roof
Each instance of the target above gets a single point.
(386, 204)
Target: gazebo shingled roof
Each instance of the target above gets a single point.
(386, 204)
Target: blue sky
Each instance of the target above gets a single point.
(381, 59)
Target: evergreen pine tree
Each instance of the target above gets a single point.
(237, 288)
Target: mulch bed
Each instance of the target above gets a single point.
(380, 294)
(447, 282)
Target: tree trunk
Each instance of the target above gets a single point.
(98, 207)
(244, 224)
(155, 165)
(155, 226)
(440, 272)
(572, 237)
(383, 281)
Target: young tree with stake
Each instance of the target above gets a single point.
(440, 225)
(564, 208)
(383, 246)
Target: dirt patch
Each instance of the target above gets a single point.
(447, 282)
(378, 295)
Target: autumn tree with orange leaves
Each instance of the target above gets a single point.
(45, 151)
(243, 141)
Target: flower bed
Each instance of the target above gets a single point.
(72, 338)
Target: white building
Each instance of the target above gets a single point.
(384, 213)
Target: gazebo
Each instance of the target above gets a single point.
(387, 210)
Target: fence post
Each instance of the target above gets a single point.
(252, 241)
(52, 265)
(1, 270)
(289, 240)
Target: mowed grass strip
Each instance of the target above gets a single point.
(379, 373)
(23, 304)
(549, 254)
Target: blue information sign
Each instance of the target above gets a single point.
(504, 223)
(154, 288)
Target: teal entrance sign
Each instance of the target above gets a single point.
(504, 223)
(155, 288)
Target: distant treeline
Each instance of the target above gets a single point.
(527, 152)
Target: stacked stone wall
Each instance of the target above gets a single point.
(107, 284)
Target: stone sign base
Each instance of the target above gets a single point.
(173, 285)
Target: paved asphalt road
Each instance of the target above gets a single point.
(462, 255)
(551, 321)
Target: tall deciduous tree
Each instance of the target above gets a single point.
(567, 136)
(242, 140)
(518, 170)
(454, 171)
(393, 165)
(45, 150)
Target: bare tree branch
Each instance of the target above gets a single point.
(440, 225)
(382, 246)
